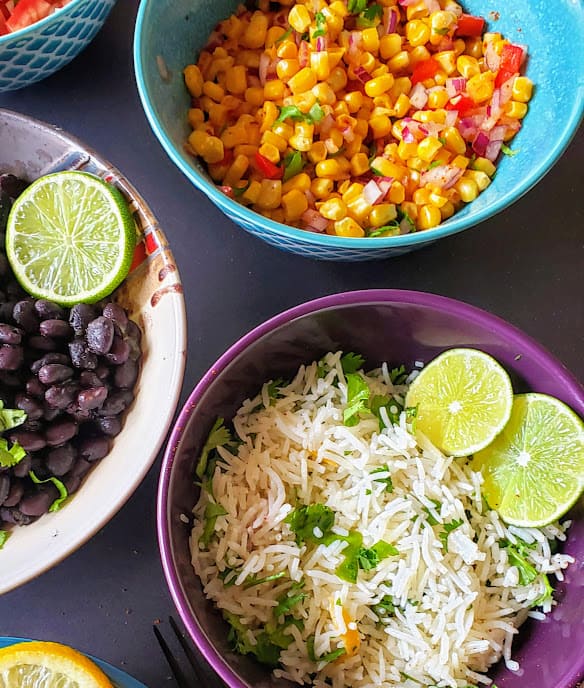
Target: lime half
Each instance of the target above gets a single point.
(464, 400)
(534, 470)
(70, 238)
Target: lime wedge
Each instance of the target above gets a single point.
(534, 470)
(464, 400)
(70, 238)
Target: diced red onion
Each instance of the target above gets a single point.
(303, 54)
(362, 74)
(385, 185)
(406, 3)
(227, 190)
(455, 86)
(404, 226)
(506, 90)
(263, 68)
(407, 136)
(320, 44)
(432, 5)
(492, 150)
(418, 96)
(443, 175)
(390, 20)
(314, 220)
(450, 118)
(326, 124)
(492, 58)
(480, 143)
(372, 193)
(348, 134)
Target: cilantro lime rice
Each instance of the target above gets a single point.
(345, 550)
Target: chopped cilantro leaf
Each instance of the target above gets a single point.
(290, 112)
(293, 165)
(385, 607)
(398, 375)
(10, 418)
(431, 519)
(218, 437)
(274, 388)
(448, 528)
(386, 479)
(546, 595)
(508, 151)
(356, 6)
(212, 512)
(10, 456)
(357, 396)
(328, 657)
(4, 535)
(434, 163)
(320, 25)
(391, 229)
(369, 16)
(442, 140)
(305, 519)
(63, 494)
(316, 113)
(250, 581)
(284, 36)
(265, 650)
(286, 602)
(517, 557)
(228, 576)
(351, 362)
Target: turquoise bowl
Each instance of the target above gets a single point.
(39, 50)
(169, 36)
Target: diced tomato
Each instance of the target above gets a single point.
(463, 104)
(3, 27)
(267, 167)
(469, 25)
(28, 12)
(511, 59)
(425, 69)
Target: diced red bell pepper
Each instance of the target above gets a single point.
(3, 27)
(425, 69)
(27, 12)
(469, 25)
(511, 59)
(267, 167)
(463, 104)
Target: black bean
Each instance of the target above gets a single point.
(60, 460)
(102, 372)
(119, 352)
(125, 376)
(53, 357)
(81, 357)
(32, 407)
(52, 412)
(12, 184)
(60, 431)
(25, 315)
(15, 494)
(61, 396)
(110, 425)
(73, 479)
(29, 441)
(10, 334)
(38, 504)
(100, 335)
(94, 448)
(15, 517)
(88, 378)
(43, 343)
(5, 206)
(23, 467)
(47, 310)
(78, 414)
(91, 398)
(6, 309)
(116, 314)
(58, 329)
(52, 373)
(4, 487)
(80, 316)
(35, 388)
(4, 269)
(10, 379)
(116, 402)
(32, 425)
(11, 357)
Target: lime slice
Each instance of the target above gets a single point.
(534, 470)
(464, 400)
(70, 238)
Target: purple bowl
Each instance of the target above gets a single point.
(399, 327)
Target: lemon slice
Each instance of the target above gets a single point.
(70, 238)
(40, 664)
(464, 400)
(534, 470)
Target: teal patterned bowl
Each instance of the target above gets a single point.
(39, 50)
(553, 32)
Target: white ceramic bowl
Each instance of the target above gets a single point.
(152, 293)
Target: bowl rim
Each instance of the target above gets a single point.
(41, 23)
(236, 211)
(455, 307)
(175, 381)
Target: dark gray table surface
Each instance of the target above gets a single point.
(526, 265)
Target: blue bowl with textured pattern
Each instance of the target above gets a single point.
(554, 34)
(39, 50)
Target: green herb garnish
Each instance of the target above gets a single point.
(370, 16)
(508, 151)
(293, 165)
(320, 25)
(10, 455)
(391, 229)
(63, 494)
(356, 6)
(351, 362)
(385, 607)
(369, 558)
(284, 36)
(357, 396)
(386, 480)
(218, 437)
(4, 535)
(305, 519)
(398, 375)
(431, 519)
(517, 555)
(316, 113)
(10, 418)
(328, 657)
(212, 513)
(274, 388)
(448, 528)
(546, 595)
(287, 601)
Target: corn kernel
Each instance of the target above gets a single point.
(321, 188)
(359, 164)
(236, 80)
(474, 47)
(421, 196)
(275, 140)
(447, 61)
(419, 54)
(269, 151)
(303, 101)
(252, 193)
(484, 165)
(270, 194)
(382, 214)
(441, 22)
(417, 32)
(193, 80)
(399, 62)
(287, 50)
(370, 39)
(234, 136)
(387, 168)
(286, 68)
(195, 116)
(246, 149)
(324, 94)
(390, 45)
(468, 66)
(380, 126)
(522, 89)
(300, 182)
(319, 63)
(467, 189)
(428, 216)
(299, 18)
(436, 199)
(317, 152)
(294, 204)
(337, 79)
(438, 98)
(210, 148)
(417, 10)
(333, 209)
(328, 168)
(407, 150)
(410, 209)
(397, 193)
(347, 227)
(269, 114)
(515, 109)
(274, 90)
(481, 179)
(379, 85)
(217, 114)
(461, 161)
(339, 8)
(481, 86)
(254, 36)
(236, 171)
(254, 95)
(303, 80)
(354, 100)
(428, 147)
(454, 140)
(402, 105)
(447, 210)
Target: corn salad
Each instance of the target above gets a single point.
(355, 118)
